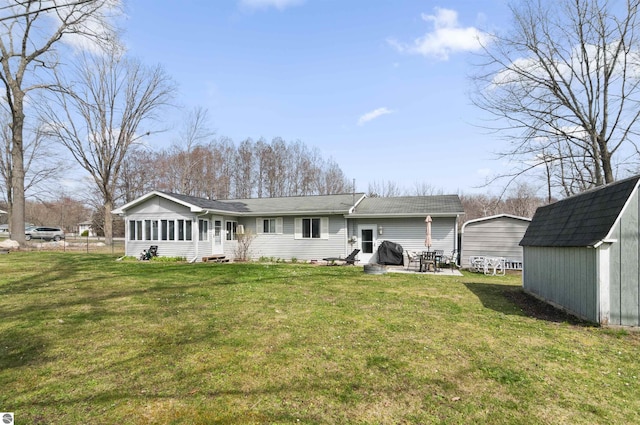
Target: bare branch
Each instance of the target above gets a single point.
(567, 76)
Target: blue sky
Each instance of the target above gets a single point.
(379, 86)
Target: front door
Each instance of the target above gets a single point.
(367, 238)
(217, 235)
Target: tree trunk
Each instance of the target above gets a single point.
(17, 177)
(605, 158)
(108, 222)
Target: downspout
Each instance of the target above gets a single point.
(456, 246)
(346, 236)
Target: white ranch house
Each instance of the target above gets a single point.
(304, 227)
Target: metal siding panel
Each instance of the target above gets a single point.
(565, 276)
(629, 303)
(499, 237)
(614, 279)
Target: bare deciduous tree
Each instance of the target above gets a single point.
(190, 161)
(42, 165)
(29, 33)
(138, 174)
(521, 200)
(98, 117)
(424, 189)
(384, 189)
(564, 87)
(220, 170)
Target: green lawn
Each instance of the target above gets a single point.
(88, 340)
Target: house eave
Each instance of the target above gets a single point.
(602, 242)
(123, 209)
(282, 213)
(404, 215)
(493, 217)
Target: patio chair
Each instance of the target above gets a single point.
(494, 266)
(412, 257)
(428, 259)
(438, 257)
(477, 264)
(452, 259)
(348, 260)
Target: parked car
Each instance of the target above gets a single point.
(44, 233)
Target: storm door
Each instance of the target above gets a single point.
(367, 245)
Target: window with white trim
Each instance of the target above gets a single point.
(164, 230)
(132, 230)
(312, 228)
(153, 230)
(147, 230)
(269, 225)
(172, 230)
(184, 230)
(232, 228)
(203, 230)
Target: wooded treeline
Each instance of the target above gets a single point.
(220, 169)
(67, 212)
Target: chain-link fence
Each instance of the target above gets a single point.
(71, 243)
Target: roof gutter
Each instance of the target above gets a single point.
(404, 215)
(602, 242)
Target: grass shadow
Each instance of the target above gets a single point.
(513, 300)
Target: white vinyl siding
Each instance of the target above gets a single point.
(286, 246)
(410, 232)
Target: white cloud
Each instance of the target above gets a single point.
(369, 116)
(446, 38)
(99, 23)
(265, 4)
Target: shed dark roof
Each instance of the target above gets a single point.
(582, 220)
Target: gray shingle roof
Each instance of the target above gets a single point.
(582, 220)
(410, 205)
(209, 204)
(328, 204)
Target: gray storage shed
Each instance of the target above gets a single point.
(582, 254)
(494, 236)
